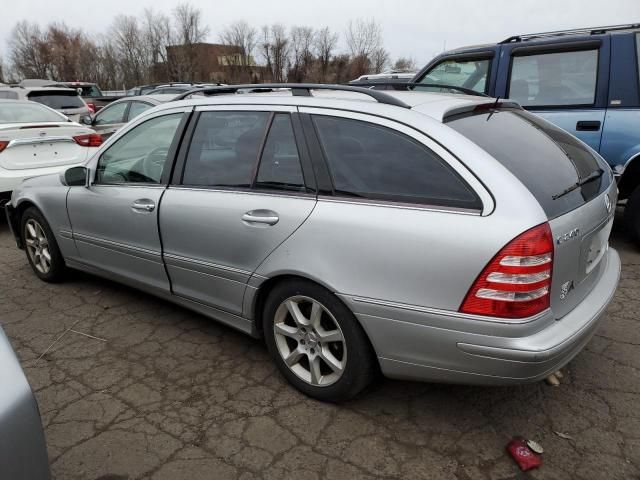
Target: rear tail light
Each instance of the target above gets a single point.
(516, 283)
(3, 145)
(88, 140)
(92, 107)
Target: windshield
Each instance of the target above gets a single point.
(471, 74)
(58, 100)
(547, 160)
(27, 113)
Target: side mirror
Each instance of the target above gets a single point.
(86, 120)
(76, 177)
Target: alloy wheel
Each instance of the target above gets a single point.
(310, 341)
(37, 246)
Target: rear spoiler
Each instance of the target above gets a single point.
(479, 107)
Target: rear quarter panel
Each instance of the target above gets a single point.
(409, 255)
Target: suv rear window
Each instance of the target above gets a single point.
(57, 99)
(546, 159)
(549, 79)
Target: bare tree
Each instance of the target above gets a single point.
(325, 44)
(28, 50)
(302, 57)
(363, 38)
(274, 48)
(243, 37)
(379, 60)
(158, 35)
(404, 64)
(129, 47)
(190, 30)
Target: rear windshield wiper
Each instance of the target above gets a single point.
(589, 178)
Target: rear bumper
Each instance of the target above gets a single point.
(430, 346)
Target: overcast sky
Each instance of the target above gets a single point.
(414, 28)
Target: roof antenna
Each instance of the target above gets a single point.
(493, 108)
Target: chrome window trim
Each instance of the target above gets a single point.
(246, 191)
(399, 205)
(488, 204)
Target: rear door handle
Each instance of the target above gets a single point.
(268, 217)
(143, 205)
(588, 125)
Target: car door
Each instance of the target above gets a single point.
(115, 220)
(244, 187)
(110, 119)
(565, 83)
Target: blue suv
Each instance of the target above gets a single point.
(586, 81)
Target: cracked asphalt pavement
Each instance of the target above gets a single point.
(133, 387)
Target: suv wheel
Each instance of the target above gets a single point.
(316, 342)
(42, 249)
(632, 215)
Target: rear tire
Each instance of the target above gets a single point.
(41, 247)
(328, 356)
(632, 215)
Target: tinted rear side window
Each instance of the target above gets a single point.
(546, 159)
(225, 148)
(375, 162)
(57, 100)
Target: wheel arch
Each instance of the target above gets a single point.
(630, 178)
(268, 285)
(16, 221)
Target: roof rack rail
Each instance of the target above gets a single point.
(297, 89)
(560, 33)
(406, 86)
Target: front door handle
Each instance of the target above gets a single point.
(143, 205)
(588, 125)
(268, 217)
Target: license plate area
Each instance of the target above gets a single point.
(594, 246)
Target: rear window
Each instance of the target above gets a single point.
(89, 91)
(561, 78)
(25, 112)
(57, 99)
(546, 159)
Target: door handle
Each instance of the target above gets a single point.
(588, 125)
(143, 205)
(268, 217)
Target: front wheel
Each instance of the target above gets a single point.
(632, 215)
(316, 342)
(42, 249)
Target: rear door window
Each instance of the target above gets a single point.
(545, 158)
(554, 79)
(112, 114)
(376, 162)
(280, 167)
(58, 100)
(472, 74)
(224, 149)
(137, 108)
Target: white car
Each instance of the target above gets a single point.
(37, 140)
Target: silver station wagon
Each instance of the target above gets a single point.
(435, 237)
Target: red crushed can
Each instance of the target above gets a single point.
(523, 455)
